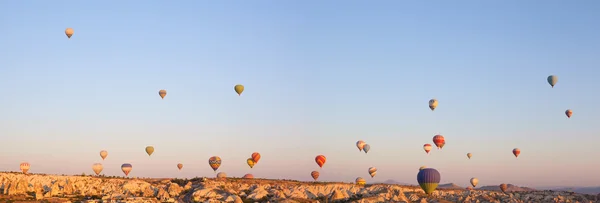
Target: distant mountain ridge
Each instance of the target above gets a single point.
(510, 188)
(582, 190)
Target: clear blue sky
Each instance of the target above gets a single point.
(319, 76)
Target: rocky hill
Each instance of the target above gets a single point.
(53, 188)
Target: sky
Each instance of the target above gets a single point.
(318, 76)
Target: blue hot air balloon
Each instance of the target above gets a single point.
(428, 179)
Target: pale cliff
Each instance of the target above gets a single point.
(53, 188)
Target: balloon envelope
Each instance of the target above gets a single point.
(221, 175)
(69, 32)
(503, 187)
(433, 104)
(428, 179)
(239, 89)
(427, 148)
(552, 80)
(250, 162)
(162, 93)
(255, 157)
(103, 154)
(180, 166)
(320, 159)
(516, 152)
(361, 181)
(24, 167)
(214, 162)
(315, 175)
(372, 171)
(469, 155)
(248, 176)
(366, 148)
(97, 168)
(360, 144)
(474, 182)
(439, 141)
(149, 150)
(126, 168)
(569, 113)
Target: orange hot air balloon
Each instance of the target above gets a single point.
(69, 32)
(248, 176)
(255, 157)
(427, 148)
(569, 113)
(24, 167)
(439, 141)
(315, 175)
(320, 160)
(516, 152)
(503, 187)
(179, 166)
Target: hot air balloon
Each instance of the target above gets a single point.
(366, 148)
(248, 176)
(126, 168)
(180, 166)
(315, 175)
(422, 167)
(552, 80)
(503, 187)
(428, 179)
(469, 155)
(24, 167)
(516, 152)
(162, 93)
(103, 154)
(255, 157)
(360, 144)
(433, 103)
(149, 150)
(250, 162)
(372, 171)
(239, 89)
(569, 113)
(360, 181)
(97, 168)
(439, 141)
(69, 32)
(427, 148)
(214, 162)
(221, 175)
(474, 182)
(320, 159)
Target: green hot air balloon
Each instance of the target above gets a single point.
(552, 80)
(149, 150)
(239, 89)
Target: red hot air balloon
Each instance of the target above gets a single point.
(255, 157)
(24, 167)
(248, 176)
(516, 152)
(427, 148)
(320, 160)
(439, 141)
(569, 113)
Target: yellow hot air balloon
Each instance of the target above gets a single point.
(179, 166)
(149, 150)
(469, 155)
(433, 104)
(372, 171)
(239, 89)
(250, 162)
(69, 32)
(422, 167)
(97, 168)
(103, 154)
(162, 93)
(360, 181)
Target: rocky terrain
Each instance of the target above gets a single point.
(18, 187)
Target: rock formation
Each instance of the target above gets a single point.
(95, 189)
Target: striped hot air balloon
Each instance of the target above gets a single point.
(24, 167)
(320, 159)
(221, 175)
(360, 181)
(248, 176)
(255, 157)
(427, 148)
(372, 171)
(214, 162)
(126, 168)
(439, 141)
(315, 175)
(428, 179)
(516, 152)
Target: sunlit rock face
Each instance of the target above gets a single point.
(16, 186)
